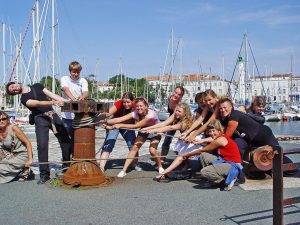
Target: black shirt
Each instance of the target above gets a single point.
(246, 124)
(36, 93)
(256, 116)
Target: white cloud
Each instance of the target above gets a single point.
(281, 51)
(182, 14)
(271, 16)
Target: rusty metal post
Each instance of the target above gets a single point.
(278, 187)
(87, 172)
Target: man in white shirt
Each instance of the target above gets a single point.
(74, 88)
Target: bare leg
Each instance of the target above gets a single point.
(173, 166)
(134, 150)
(153, 151)
(103, 159)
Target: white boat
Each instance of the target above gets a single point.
(162, 112)
(272, 117)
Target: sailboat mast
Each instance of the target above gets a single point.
(135, 87)
(38, 40)
(53, 49)
(172, 56)
(3, 61)
(121, 76)
(181, 61)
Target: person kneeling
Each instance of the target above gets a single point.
(224, 167)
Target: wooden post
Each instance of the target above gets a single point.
(278, 187)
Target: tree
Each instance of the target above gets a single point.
(138, 87)
(47, 82)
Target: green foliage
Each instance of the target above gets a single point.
(139, 87)
(47, 82)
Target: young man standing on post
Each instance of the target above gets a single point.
(36, 99)
(74, 88)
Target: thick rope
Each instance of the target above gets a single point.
(87, 160)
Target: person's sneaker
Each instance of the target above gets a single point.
(61, 172)
(229, 186)
(122, 174)
(43, 179)
(138, 167)
(161, 170)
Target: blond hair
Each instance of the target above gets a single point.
(215, 124)
(187, 119)
(75, 66)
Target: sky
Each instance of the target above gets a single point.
(134, 36)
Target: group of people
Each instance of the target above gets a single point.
(40, 101)
(216, 134)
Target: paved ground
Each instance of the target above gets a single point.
(137, 199)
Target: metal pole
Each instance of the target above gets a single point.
(278, 187)
(53, 49)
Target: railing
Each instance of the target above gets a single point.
(278, 168)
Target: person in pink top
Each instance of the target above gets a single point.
(143, 117)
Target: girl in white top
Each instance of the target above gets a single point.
(181, 120)
(144, 117)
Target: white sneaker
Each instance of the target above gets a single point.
(229, 186)
(121, 174)
(161, 170)
(138, 168)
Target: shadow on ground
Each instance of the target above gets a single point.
(258, 216)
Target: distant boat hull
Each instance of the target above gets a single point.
(163, 115)
(272, 117)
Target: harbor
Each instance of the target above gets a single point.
(103, 76)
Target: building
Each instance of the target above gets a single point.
(102, 87)
(279, 88)
(193, 84)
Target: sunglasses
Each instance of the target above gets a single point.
(3, 119)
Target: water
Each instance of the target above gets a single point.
(286, 128)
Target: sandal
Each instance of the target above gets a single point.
(27, 174)
(162, 177)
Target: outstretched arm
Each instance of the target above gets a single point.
(120, 119)
(84, 95)
(143, 123)
(196, 124)
(112, 110)
(53, 96)
(179, 159)
(68, 93)
(161, 124)
(220, 141)
(36, 103)
(165, 129)
(203, 128)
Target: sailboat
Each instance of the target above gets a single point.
(167, 82)
(243, 93)
(20, 69)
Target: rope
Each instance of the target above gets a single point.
(86, 160)
(19, 50)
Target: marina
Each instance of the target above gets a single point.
(113, 80)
